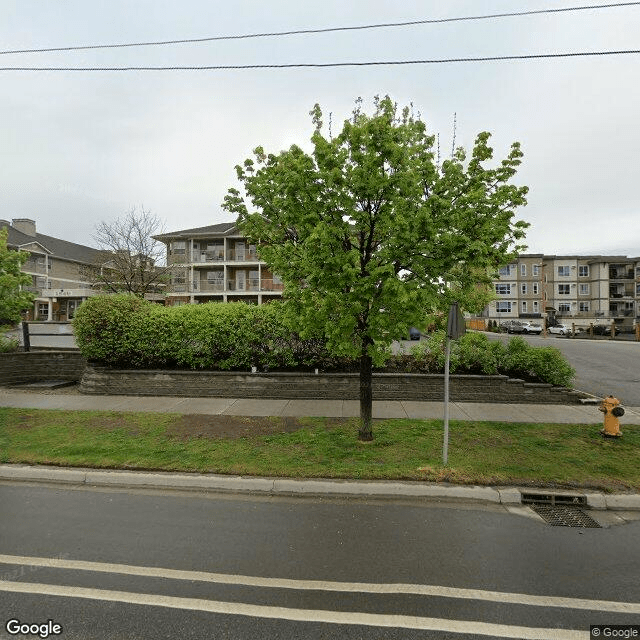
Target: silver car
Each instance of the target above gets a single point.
(560, 329)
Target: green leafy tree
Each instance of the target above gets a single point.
(370, 234)
(13, 300)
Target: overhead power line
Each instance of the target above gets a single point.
(302, 65)
(273, 34)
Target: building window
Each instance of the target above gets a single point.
(584, 306)
(43, 310)
(523, 269)
(178, 248)
(564, 307)
(503, 289)
(524, 306)
(584, 289)
(523, 288)
(536, 289)
(564, 289)
(564, 271)
(536, 269)
(503, 306)
(583, 271)
(536, 306)
(505, 271)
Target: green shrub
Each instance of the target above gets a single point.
(104, 327)
(124, 331)
(546, 364)
(8, 345)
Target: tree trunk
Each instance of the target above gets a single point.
(365, 433)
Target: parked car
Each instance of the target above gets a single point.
(529, 327)
(512, 326)
(601, 329)
(561, 329)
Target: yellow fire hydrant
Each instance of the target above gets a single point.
(612, 410)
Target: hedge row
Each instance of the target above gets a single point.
(127, 332)
(475, 353)
(124, 331)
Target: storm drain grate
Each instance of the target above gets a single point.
(564, 516)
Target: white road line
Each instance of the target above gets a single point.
(299, 615)
(321, 585)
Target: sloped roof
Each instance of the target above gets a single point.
(223, 229)
(53, 246)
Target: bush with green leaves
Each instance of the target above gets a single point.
(103, 326)
(474, 353)
(8, 344)
(125, 331)
(537, 363)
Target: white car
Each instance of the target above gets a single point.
(529, 327)
(561, 329)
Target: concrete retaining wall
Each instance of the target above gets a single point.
(338, 386)
(40, 365)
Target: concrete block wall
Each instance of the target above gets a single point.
(338, 386)
(40, 365)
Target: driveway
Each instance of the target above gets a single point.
(603, 367)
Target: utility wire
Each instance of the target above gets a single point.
(535, 56)
(324, 30)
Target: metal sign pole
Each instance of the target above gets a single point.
(445, 446)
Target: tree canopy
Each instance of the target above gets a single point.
(130, 256)
(370, 233)
(13, 299)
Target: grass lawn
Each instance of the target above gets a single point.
(557, 455)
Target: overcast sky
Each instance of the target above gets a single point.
(78, 148)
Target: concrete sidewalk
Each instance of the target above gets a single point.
(476, 411)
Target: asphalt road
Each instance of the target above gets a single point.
(192, 566)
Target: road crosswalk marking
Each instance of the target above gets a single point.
(298, 615)
(322, 585)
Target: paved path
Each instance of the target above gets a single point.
(477, 411)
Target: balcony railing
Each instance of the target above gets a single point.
(620, 274)
(208, 256)
(241, 256)
(250, 284)
(210, 285)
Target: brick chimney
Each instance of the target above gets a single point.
(27, 226)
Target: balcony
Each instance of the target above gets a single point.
(241, 256)
(209, 285)
(201, 257)
(621, 274)
(250, 284)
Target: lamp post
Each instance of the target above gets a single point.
(543, 293)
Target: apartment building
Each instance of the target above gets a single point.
(56, 268)
(569, 289)
(217, 264)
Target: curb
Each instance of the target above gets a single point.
(510, 496)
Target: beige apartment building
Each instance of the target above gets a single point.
(578, 290)
(217, 264)
(56, 268)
